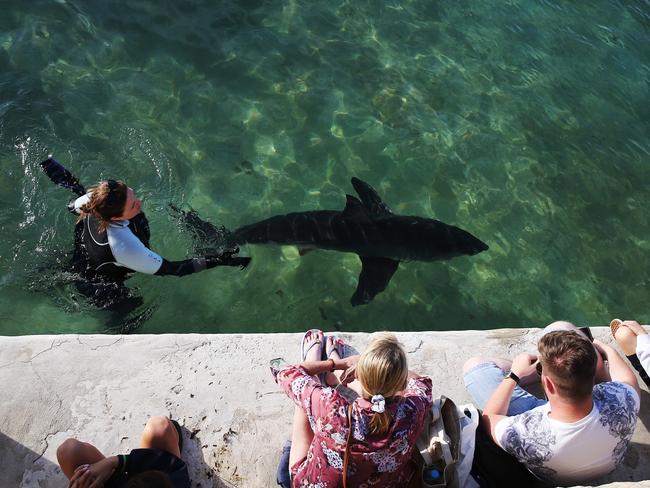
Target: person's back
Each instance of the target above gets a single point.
(381, 430)
(584, 430)
(572, 452)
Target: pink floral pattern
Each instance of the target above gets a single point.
(375, 460)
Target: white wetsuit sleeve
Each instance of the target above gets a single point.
(130, 252)
(643, 351)
(80, 202)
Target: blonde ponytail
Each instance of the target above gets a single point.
(382, 371)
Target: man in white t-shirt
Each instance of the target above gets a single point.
(582, 431)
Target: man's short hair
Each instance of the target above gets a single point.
(570, 361)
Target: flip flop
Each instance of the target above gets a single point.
(614, 325)
(338, 347)
(303, 352)
(343, 348)
(180, 435)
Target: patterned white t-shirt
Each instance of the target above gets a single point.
(571, 453)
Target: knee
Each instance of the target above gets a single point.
(475, 361)
(158, 427)
(68, 449)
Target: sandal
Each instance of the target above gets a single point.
(614, 325)
(303, 351)
(339, 346)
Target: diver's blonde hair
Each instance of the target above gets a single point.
(382, 370)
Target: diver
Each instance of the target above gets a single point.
(112, 241)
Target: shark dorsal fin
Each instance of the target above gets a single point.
(371, 198)
(355, 209)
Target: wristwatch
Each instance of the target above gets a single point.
(513, 376)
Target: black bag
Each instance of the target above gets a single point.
(495, 468)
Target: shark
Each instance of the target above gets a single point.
(368, 228)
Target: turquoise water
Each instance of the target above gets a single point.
(525, 122)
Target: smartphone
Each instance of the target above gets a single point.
(587, 331)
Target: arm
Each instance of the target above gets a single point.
(129, 251)
(317, 367)
(94, 475)
(496, 407)
(618, 369)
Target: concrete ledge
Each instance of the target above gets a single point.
(102, 389)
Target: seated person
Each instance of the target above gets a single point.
(156, 464)
(583, 430)
(381, 426)
(634, 341)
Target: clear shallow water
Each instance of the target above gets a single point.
(525, 122)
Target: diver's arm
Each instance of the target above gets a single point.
(195, 265)
(130, 252)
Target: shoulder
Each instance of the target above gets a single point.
(75, 205)
(515, 429)
(420, 386)
(618, 406)
(613, 393)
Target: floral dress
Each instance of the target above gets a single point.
(374, 460)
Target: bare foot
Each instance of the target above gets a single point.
(332, 350)
(312, 345)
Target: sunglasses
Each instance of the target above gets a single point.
(538, 368)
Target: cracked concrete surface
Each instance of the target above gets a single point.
(102, 389)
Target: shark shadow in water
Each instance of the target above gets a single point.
(368, 228)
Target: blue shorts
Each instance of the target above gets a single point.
(483, 379)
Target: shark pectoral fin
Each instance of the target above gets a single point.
(354, 209)
(370, 198)
(374, 278)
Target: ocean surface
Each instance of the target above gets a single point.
(526, 122)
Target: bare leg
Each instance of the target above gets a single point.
(504, 365)
(626, 340)
(73, 453)
(160, 433)
(301, 433)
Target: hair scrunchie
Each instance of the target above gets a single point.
(378, 403)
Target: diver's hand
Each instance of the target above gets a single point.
(226, 260)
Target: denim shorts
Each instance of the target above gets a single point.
(483, 379)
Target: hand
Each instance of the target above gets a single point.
(349, 375)
(522, 365)
(350, 361)
(93, 475)
(635, 327)
(226, 260)
(228, 252)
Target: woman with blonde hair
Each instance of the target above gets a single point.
(378, 429)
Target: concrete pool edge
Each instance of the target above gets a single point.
(102, 388)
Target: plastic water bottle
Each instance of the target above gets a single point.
(431, 476)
